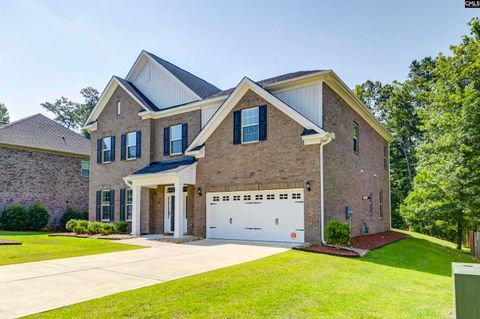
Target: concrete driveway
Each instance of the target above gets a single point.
(39, 286)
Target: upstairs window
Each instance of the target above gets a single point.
(131, 145)
(119, 107)
(250, 125)
(355, 137)
(176, 139)
(107, 149)
(85, 168)
(106, 205)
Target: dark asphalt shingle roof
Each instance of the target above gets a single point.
(137, 93)
(157, 167)
(308, 132)
(38, 131)
(201, 87)
(269, 81)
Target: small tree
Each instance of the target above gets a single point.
(15, 217)
(38, 216)
(337, 233)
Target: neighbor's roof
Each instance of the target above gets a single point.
(201, 87)
(40, 132)
(168, 166)
(270, 81)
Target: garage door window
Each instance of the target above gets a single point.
(271, 196)
(283, 196)
(258, 197)
(236, 197)
(216, 198)
(226, 198)
(296, 196)
(247, 197)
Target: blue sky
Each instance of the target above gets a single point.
(54, 48)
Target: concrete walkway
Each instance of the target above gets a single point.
(39, 286)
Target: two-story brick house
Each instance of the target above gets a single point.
(176, 155)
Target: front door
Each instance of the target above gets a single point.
(170, 209)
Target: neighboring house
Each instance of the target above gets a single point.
(175, 154)
(43, 161)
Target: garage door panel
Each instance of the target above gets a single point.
(256, 215)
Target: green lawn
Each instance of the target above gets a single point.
(38, 246)
(407, 279)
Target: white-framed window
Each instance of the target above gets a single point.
(106, 149)
(296, 196)
(247, 197)
(216, 198)
(355, 137)
(106, 205)
(85, 168)
(236, 197)
(250, 125)
(128, 204)
(380, 198)
(270, 196)
(131, 145)
(226, 198)
(119, 107)
(176, 139)
(283, 196)
(258, 197)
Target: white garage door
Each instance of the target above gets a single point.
(256, 215)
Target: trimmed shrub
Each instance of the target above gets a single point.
(71, 224)
(107, 228)
(94, 228)
(38, 216)
(71, 213)
(337, 233)
(121, 227)
(81, 227)
(15, 217)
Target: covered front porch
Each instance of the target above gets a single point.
(169, 183)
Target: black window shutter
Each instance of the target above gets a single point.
(99, 150)
(112, 205)
(123, 147)
(139, 144)
(184, 137)
(98, 205)
(166, 141)
(237, 127)
(122, 204)
(262, 116)
(113, 148)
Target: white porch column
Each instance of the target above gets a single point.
(178, 233)
(136, 198)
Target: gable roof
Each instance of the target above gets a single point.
(201, 87)
(131, 89)
(266, 82)
(242, 88)
(40, 132)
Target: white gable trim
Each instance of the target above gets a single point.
(140, 62)
(242, 88)
(104, 98)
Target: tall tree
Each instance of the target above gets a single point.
(446, 191)
(71, 114)
(4, 116)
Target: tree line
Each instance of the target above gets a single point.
(434, 116)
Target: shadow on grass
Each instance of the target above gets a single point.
(418, 255)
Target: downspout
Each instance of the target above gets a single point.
(330, 137)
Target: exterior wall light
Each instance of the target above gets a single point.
(199, 191)
(308, 186)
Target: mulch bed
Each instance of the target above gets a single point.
(329, 251)
(9, 242)
(369, 242)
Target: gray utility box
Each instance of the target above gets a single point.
(466, 290)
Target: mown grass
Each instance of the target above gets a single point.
(38, 246)
(407, 279)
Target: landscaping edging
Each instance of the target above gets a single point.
(9, 242)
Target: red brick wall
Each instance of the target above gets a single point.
(52, 179)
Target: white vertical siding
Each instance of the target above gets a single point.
(305, 100)
(207, 113)
(160, 87)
